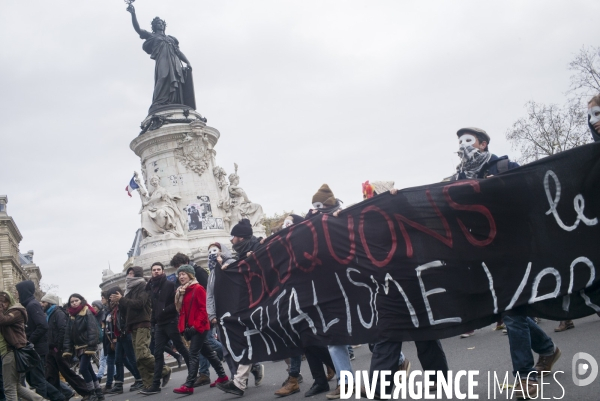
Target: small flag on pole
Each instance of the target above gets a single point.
(132, 186)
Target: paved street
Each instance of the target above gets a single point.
(487, 351)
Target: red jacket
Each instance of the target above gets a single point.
(193, 309)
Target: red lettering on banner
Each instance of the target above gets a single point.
(361, 226)
(472, 208)
(291, 255)
(351, 235)
(264, 276)
(312, 258)
(446, 240)
(248, 277)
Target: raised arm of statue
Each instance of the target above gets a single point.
(134, 20)
(183, 58)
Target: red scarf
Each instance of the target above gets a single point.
(75, 311)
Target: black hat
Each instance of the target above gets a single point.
(478, 132)
(242, 229)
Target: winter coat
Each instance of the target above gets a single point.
(37, 326)
(136, 306)
(163, 301)
(12, 326)
(57, 326)
(81, 332)
(193, 309)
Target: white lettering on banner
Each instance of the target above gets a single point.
(269, 327)
(301, 315)
(278, 314)
(582, 259)
(578, 204)
(348, 317)
(375, 299)
(426, 294)
(233, 355)
(491, 281)
(249, 333)
(536, 283)
(359, 284)
(316, 304)
(520, 289)
(411, 310)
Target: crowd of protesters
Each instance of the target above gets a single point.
(133, 327)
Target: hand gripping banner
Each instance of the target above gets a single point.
(429, 262)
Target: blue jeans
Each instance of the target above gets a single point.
(295, 364)
(102, 367)
(525, 335)
(125, 356)
(110, 369)
(217, 347)
(341, 359)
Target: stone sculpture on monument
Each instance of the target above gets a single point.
(184, 207)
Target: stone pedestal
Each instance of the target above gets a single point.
(188, 203)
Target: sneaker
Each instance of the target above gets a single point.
(166, 378)
(137, 386)
(537, 320)
(545, 363)
(330, 373)
(180, 360)
(468, 334)
(356, 346)
(505, 331)
(219, 380)
(499, 327)
(184, 390)
(202, 380)
(259, 372)
(352, 357)
(150, 390)
(231, 388)
(317, 389)
(527, 389)
(564, 326)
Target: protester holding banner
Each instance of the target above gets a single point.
(190, 301)
(244, 243)
(523, 333)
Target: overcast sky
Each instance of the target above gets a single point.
(302, 92)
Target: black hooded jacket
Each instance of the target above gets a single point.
(37, 326)
(57, 325)
(162, 294)
(248, 245)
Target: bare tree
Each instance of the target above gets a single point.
(548, 129)
(585, 82)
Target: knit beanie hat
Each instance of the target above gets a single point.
(187, 269)
(51, 299)
(137, 271)
(242, 229)
(325, 196)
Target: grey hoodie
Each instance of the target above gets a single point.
(210, 287)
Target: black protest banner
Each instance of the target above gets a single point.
(427, 263)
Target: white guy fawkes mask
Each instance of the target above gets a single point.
(287, 222)
(213, 250)
(594, 113)
(466, 140)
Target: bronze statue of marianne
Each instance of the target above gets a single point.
(173, 84)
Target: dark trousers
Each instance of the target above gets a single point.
(111, 357)
(216, 346)
(316, 356)
(198, 345)
(125, 357)
(386, 355)
(36, 378)
(162, 335)
(56, 366)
